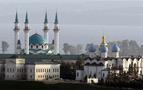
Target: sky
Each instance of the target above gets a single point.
(81, 21)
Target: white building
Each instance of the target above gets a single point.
(36, 44)
(100, 66)
(19, 69)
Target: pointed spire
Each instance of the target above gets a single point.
(16, 18)
(103, 40)
(46, 19)
(26, 18)
(56, 19)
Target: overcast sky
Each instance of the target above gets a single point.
(86, 20)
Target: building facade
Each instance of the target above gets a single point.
(102, 66)
(19, 69)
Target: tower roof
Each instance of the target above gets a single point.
(56, 19)
(26, 18)
(16, 18)
(103, 40)
(36, 39)
(103, 48)
(46, 19)
(115, 48)
(92, 48)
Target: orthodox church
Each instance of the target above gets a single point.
(100, 67)
(36, 44)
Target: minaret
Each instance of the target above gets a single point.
(16, 32)
(104, 48)
(26, 35)
(56, 35)
(18, 47)
(45, 30)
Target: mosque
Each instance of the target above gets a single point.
(36, 44)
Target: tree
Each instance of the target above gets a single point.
(66, 48)
(5, 46)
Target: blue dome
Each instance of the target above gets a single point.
(103, 49)
(115, 48)
(92, 48)
(36, 39)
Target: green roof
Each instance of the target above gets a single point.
(41, 57)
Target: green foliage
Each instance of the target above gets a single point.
(68, 71)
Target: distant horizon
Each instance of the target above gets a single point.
(119, 20)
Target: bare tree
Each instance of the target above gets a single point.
(5, 46)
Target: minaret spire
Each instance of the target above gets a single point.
(26, 35)
(46, 19)
(16, 33)
(26, 19)
(56, 34)
(45, 30)
(56, 19)
(16, 18)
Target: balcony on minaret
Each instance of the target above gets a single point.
(45, 29)
(16, 28)
(56, 28)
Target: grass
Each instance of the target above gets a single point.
(30, 85)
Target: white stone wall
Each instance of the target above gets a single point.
(79, 74)
(30, 72)
(43, 72)
(47, 72)
(16, 69)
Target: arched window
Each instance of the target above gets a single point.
(36, 46)
(42, 47)
(31, 46)
(103, 75)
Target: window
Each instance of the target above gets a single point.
(103, 75)
(30, 70)
(36, 46)
(31, 46)
(7, 69)
(77, 74)
(10, 70)
(30, 76)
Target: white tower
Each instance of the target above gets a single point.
(103, 48)
(16, 32)
(115, 51)
(26, 35)
(56, 35)
(18, 47)
(45, 30)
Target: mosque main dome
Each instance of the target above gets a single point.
(36, 39)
